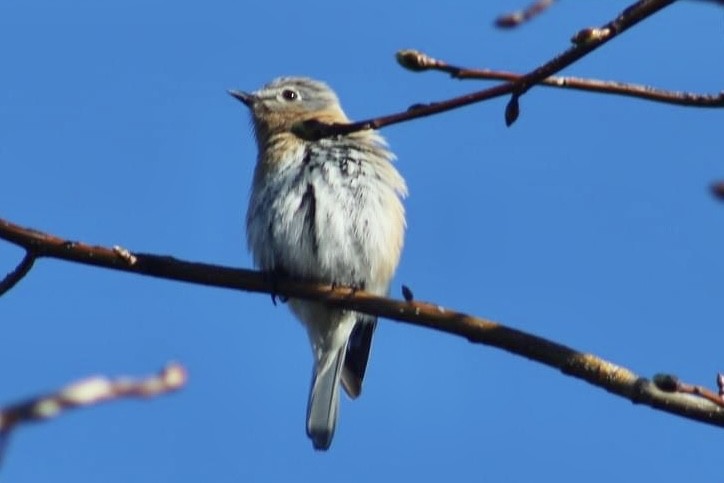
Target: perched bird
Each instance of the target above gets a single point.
(327, 210)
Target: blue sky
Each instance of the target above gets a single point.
(588, 222)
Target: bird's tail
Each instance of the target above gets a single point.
(324, 398)
(358, 353)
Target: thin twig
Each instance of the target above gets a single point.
(88, 392)
(519, 17)
(419, 61)
(585, 41)
(589, 39)
(12, 278)
(588, 367)
(671, 383)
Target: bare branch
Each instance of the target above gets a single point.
(418, 61)
(585, 42)
(519, 17)
(588, 367)
(12, 278)
(88, 392)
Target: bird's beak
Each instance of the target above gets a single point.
(242, 96)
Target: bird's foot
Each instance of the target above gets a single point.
(274, 276)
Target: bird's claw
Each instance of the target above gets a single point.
(273, 276)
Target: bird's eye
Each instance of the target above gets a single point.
(289, 95)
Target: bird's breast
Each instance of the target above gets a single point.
(324, 211)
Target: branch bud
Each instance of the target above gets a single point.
(591, 34)
(415, 60)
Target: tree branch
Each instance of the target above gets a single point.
(12, 278)
(419, 61)
(585, 42)
(87, 392)
(588, 367)
(519, 17)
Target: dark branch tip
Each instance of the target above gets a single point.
(407, 293)
(666, 382)
(510, 20)
(22, 269)
(512, 110)
(312, 130)
(717, 190)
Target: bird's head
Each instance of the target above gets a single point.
(288, 101)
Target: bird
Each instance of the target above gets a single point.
(327, 210)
